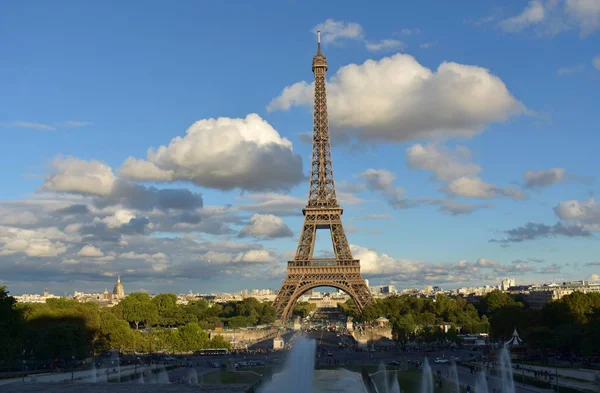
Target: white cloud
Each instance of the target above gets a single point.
(544, 178)
(74, 124)
(427, 45)
(586, 212)
(159, 256)
(382, 180)
(455, 167)
(43, 242)
(408, 32)
(90, 251)
(29, 124)
(474, 187)
(392, 99)
(374, 264)
(596, 62)
(446, 164)
(332, 31)
(266, 226)
(384, 45)
(19, 219)
(223, 153)
(273, 203)
(532, 14)
(74, 175)
(562, 71)
(586, 13)
(550, 17)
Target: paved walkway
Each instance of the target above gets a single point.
(577, 373)
(81, 375)
(565, 377)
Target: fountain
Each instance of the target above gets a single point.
(506, 371)
(192, 376)
(162, 376)
(426, 378)
(454, 371)
(297, 375)
(115, 362)
(140, 378)
(390, 380)
(481, 385)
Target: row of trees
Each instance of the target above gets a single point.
(568, 325)
(163, 311)
(62, 328)
(414, 318)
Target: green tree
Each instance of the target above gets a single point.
(11, 326)
(138, 308)
(219, 342)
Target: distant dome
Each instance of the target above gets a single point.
(119, 291)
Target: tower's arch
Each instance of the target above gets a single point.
(301, 290)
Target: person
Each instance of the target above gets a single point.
(469, 388)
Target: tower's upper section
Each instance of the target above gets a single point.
(319, 61)
(322, 188)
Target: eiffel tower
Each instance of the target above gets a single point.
(321, 212)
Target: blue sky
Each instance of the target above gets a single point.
(456, 125)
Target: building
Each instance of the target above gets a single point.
(507, 283)
(539, 295)
(119, 290)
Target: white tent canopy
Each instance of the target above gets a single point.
(515, 340)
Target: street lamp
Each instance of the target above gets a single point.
(24, 362)
(72, 368)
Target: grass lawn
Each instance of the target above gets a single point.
(248, 376)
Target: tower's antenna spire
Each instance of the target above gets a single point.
(319, 41)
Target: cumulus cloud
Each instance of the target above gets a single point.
(544, 178)
(531, 231)
(266, 226)
(446, 164)
(551, 17)
(454, 167)
(224, 154)
(391, 100)
(139, 197)
(41, 243)
(474, 187)
(90, 251)
(596, 62)
(333, 32)
(70, 174)
(586, 213)
(408, 271)
(382, 180)
(455, 208)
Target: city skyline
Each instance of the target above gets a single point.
(178, 156)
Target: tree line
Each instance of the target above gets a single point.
(570, 325)
(65, 328)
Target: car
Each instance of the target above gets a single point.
(441, 360)
(393, 363)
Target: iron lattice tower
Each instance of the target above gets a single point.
(321, 212)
